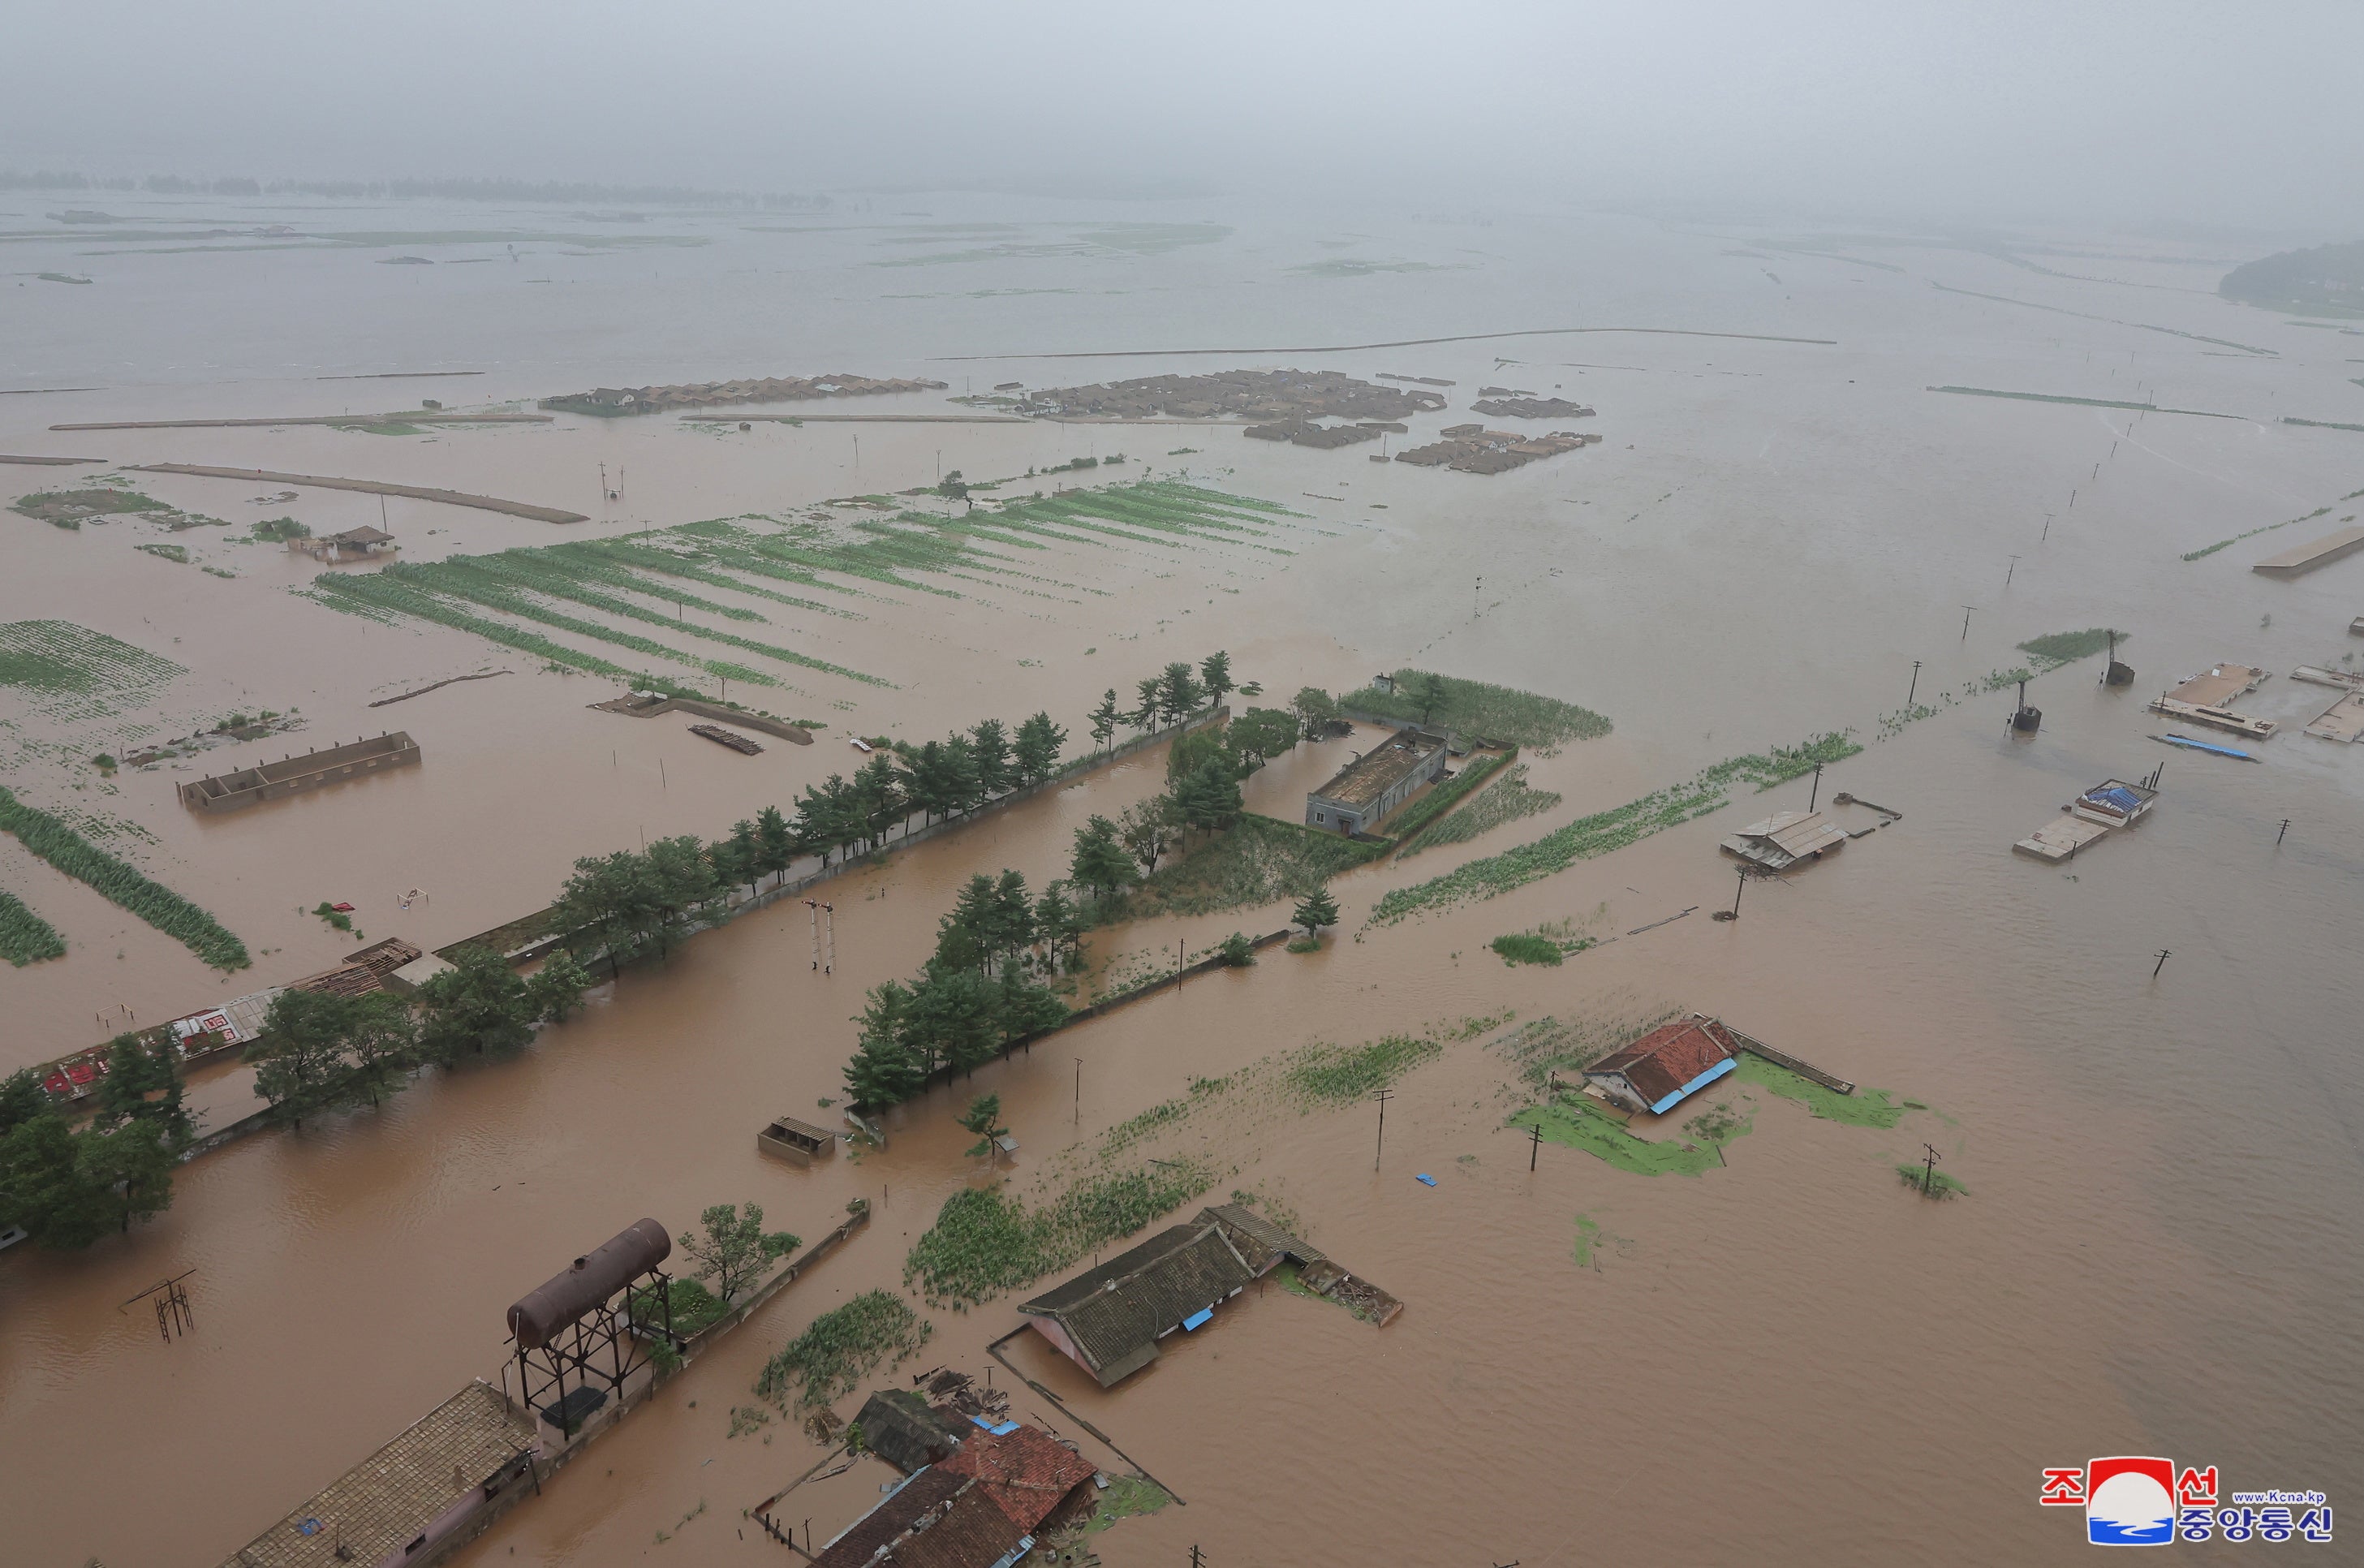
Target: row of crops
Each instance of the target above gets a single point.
(121, 884)
(652, 578)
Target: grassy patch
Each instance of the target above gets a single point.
(26, 937)
(1543, 1047)
(1525, 948)
(1128, 1497)
(1710, 789)
(161, 907)
(1929, 1183)
(66, 509)
(1574, 1122)
(1337, 1075)
(1587, 1232)
(1506, 801)
(840, 1348)
(693, 1306)
(984, 1243)
(1479, 708)
(172, 553)
(1865, 1108)
(2059, 648)
(1259, 861)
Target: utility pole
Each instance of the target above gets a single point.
(1079, 1092)
(1383, 1096)
(2161, 965)
(1535, 1145)
(1735, 892)
(2278, 837)
(1966, 621)
(2007, 575)
(1929, 1173)
(829, 963)
(1816, 793)
(2047, 527)
(1916, 683)
(1198, 1558)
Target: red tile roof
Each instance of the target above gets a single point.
(1670, 1056)
(1027, 1472)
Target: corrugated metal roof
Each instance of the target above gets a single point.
(899, 1428)
(920, 1496)
(1256, 1239)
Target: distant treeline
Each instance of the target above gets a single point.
(414, 189)
(2325, 274)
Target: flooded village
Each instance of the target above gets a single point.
(1006, 956)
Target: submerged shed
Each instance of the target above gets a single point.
(1783, 839)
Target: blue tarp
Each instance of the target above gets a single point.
(1191, 1323)
(1425, 1180)
(2116, 796)
(1695, 1085)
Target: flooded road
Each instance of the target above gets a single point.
(1789, 1359)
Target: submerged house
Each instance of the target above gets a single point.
(1376, 783)
(1666, 1066)
(1785, 838)
(1109, 1319)
(1029, 1475)
(934, 1519)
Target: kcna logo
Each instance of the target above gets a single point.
(2138, 1501)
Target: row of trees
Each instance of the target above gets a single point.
(1203, 771)
(325, 1052)
(980, 992)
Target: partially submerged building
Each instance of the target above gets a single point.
(1666, 1066)
(1785, 838)
(934, 1519)
(1029, 1475)
(293, 775)
(1109, 1320)
(908, 1432)
(1376, 783)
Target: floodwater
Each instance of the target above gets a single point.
(1790, 1360)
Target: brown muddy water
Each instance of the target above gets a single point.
(1788, 1360)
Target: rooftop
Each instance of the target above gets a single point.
(1670, 1056)
(1025, 1471)
(1370, 775)
(1114, 1314)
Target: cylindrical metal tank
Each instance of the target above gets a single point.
(540, 1313)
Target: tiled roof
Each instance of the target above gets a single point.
(1114, 1314)
(1668, 1056)
(972, 1533)
(921, 1496)
(899, 1427)
(1025, 1471)
(1256, 1240)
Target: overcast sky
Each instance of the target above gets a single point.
(2196, 110)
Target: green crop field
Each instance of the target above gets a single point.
(26, 937)
(1479, 708)
(72, 672)
(118, 883)
(1710, 789)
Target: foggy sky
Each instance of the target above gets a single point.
(2082, 110)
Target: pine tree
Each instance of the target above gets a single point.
(886, 1070)
(1100, 862)
(1105, 719)
(777, 841)
(1215, 673)
(983, 1117)
(1055, 922)
(1145, 716)
(1179, 692)
(1314, 911)
(989, 744)
(1039, 741)
(746, 843)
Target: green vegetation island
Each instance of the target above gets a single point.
(2324, 279)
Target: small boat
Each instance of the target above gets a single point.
(721, 736)
(2204, 746)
